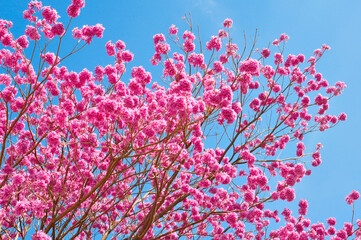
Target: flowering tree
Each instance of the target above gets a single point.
(91, 155)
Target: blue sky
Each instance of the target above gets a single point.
(309, 23)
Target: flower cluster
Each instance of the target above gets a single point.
(95, 152)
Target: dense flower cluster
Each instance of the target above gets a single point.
(90, 152)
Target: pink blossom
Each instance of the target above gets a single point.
(341, 234)
(73, 11)
(127, 56)
(222, 34)
(162, 48)
(50, 15)
(185, 85)
(214, 44)
(40, 235)
(223, 59)
(85, 75)
(278, 58)
(305, 101)
(197, 60)
(227, 23)
(354, 195)
(248, 196)
(6, 40)
(325, 47)
(237, 107)
(58, 29)
(173, 30)
(331, 230)
(266, 52)
(342, 117)
(120, 45)
(98, 30)
(289, 194)
(49, 58)
(53, 139)
(250, 66)
(217, 67)
(110, 48)
(188, 46)
(303, 207)
(189, 36)
(301, 58)
(158, 38)
(23, 41)
(275, 42)
(284, 37)
(229, 114)
(32, 33)
(231, 218)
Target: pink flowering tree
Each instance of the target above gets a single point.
(98, 155)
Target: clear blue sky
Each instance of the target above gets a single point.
(309, 23)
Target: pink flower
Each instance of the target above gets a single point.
(188, 35)
(331, 230)
(49, 58)
(229, 114)
(303, 207)
(251, 66)
(248, 196)
(227, 23)
(196, 60)
(120, 45)
(214, 44)
(289, 194)
(278, 58)
(53, 139)
(110, 48)
(189, 46)
(354, 195)
(325, 47)
(275, 42)
(185, 85)
(173, 30)
(6, 40)
(32, 33)
(40, 235)
(300, 148)
(341, 234)
(23, 41)
(223, 59)
(217, 67)
(266, 52)
(58, 29)
(342, 117)
(50, 15)
(20, 208)
(305, 101)
(276, 88)
(162, 48)
(85, 75)
(158, 38)
(222, 34)
(284, 37)
(237, 107)
(127, 56)
(73, 11)
(18, 179)
(301, 58)
(98, 30)
(231, 219)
